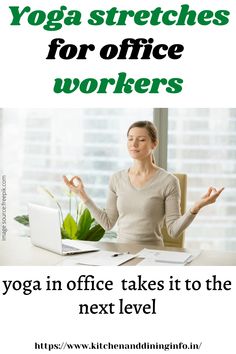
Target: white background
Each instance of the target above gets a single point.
(182, 316)
(208, 70)
(207, 65)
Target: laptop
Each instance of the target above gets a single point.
(45, 232)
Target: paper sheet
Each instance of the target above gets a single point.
(165, 256)
(153, 262)
(100, 258)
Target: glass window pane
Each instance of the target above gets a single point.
(38, 146)
(202, 143)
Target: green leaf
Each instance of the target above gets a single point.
(70, 226)
(64, 234)
(84, 224)
(22, 219)
(95, 233)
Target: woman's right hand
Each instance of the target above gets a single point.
(76, 185)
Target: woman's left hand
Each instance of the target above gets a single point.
(209, 198)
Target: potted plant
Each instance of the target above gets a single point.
(79, 227)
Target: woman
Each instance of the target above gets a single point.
(141, 198)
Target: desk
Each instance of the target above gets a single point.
(18, 251)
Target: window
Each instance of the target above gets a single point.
(202, 144)
(39, 146)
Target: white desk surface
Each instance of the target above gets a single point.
(18, 251)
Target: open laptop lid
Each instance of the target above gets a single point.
(45, 228)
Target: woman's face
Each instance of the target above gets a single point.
(139, 143)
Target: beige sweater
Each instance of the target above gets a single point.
(140, 212)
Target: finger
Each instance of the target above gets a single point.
(67, 182)
(71, 181)
(215, 191)
(219, 191)
(214, 196)
(75, 180)
(208, 193)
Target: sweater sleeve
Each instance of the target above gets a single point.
(175, 222)
(105, 217)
